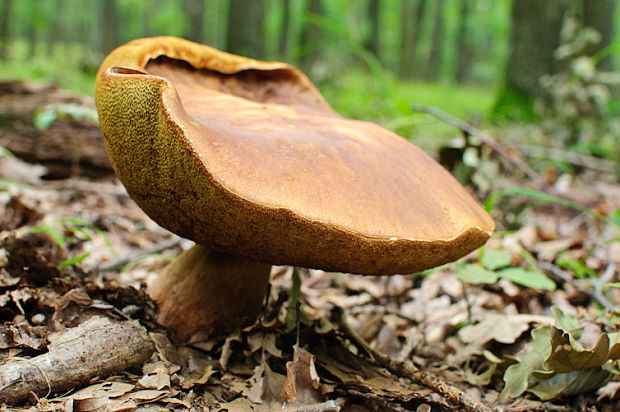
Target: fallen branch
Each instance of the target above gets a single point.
(488, 141)
(96, 348)
(333, 405)
(596, 294)
(404, 368)
(576, 159)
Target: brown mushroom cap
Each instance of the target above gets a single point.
(247, 157)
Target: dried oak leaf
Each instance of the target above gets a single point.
(610, 390)
(22, 336)
(565, 357)
(302, 381)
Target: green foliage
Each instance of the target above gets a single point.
(518, 377)
(496, 268)
(554, 363)
(358, 94)
(77, 76)
(67, 231)
(580, 270)
(46, 115)
(6, 153)
(534, 279)
(294, 302)
(579, 110)
(73, 261)
(475, 274)
(514, 106)
(170, 19)
(495, 259)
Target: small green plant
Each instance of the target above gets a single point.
(46, 115)
(66, 231)
(555, 362)
(4, 152)
(495, 265)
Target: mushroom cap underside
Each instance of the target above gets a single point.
(247, 157)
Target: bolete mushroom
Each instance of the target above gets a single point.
(248, 160)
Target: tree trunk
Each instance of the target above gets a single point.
(109, 27)
(434, 57)
(283, 44)
(245, 28)
(86, 24)
(463, 46)
(411, 19)
(5, 29)
(195, 10)
(372, 42)
(311, 36)
(33, 40)
(600, 15)
(31, 29)
(147, 18)
(534, 37)
(56, 34)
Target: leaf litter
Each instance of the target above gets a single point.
(492, 324)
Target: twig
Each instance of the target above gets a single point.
(119, 263)
(372, 400)
(333, 405)
(577, 159)
(405, 368)
(596, 294)
(600, 283)
(488, 141)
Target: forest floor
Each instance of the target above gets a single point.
(532, 318)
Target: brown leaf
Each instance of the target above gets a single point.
(610, 390)
(498, 327)
(20, 336)
(156, 376)
(148, 395)
(17, 214)
(108, 389)
(194, 379)
(565, 358)
(267, 387)
(302, 382)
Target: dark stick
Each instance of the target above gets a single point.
(488, 141)
(405, 368)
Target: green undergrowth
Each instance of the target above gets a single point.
(384, 99)
(358, 93)
(69, 66)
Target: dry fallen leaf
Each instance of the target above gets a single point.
(156, 376)
(302, 381)
(609, 390)
(499, 327)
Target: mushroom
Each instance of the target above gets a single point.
(248, 160)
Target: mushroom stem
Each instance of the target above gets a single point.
(205, 291)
